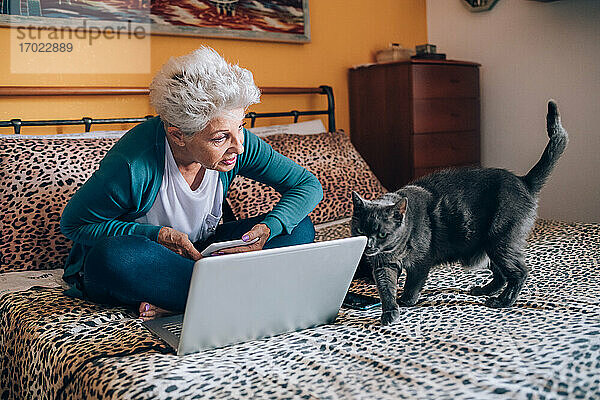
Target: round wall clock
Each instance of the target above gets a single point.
(479, 5)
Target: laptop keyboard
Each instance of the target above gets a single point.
(174, 328)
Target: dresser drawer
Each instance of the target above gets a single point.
(440, 115)
(431, 81)
(446, 149)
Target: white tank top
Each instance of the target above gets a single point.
(195, 212)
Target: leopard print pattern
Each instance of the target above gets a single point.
(331, 157)
(447, 346)
(336, 229)
(37, 179)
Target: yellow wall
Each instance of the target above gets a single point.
(343, 33)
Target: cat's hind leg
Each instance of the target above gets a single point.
(498, 279)
(415, 280)
(492, 287)
(515, 271)
(507, 251)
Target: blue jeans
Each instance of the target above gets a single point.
(127, 270)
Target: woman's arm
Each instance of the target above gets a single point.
(94, 210)
(300, 190)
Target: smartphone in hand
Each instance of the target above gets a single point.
(225, 245)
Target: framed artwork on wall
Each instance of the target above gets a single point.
(270, 20)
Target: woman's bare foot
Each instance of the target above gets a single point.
(148, 311)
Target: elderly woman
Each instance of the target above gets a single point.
(156, 199)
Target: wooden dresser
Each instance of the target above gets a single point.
(410, 118)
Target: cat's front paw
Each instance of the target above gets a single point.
(390, 316)
(495, 302)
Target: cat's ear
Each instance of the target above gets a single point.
(401, 206)
(358, 201)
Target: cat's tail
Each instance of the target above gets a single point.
(535, 179)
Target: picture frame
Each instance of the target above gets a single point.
(262, 20)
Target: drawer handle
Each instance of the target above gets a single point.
(454, 80)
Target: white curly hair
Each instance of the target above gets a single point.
(191, 90)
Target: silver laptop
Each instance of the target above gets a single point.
(247, 296)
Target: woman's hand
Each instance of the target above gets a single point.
(260, 231)
(178, 242)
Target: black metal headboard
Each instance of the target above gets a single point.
(16, 124)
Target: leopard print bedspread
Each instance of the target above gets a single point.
(449, 346)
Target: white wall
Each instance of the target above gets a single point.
(530, 52)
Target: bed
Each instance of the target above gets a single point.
(447, 346)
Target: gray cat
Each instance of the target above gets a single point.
(478, 216)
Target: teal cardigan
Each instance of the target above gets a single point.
(128, 179)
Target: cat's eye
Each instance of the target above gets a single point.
(360, 231)
(382, 235)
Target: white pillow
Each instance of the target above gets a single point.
(301, 128)
(84, 135)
